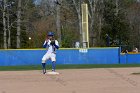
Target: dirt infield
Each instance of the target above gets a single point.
(101, 80)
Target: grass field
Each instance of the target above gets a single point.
(77, 66)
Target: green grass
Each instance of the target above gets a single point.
(78, 66)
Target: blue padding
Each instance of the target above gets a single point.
(123, 59)
(65, 56)
(130, 58)
(133, 59)
(20, 57)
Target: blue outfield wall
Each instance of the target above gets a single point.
(64, 56)
(130, 58)
(90, 56)
(20, 57)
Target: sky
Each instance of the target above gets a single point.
(37, 2)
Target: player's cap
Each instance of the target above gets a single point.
(50, 34)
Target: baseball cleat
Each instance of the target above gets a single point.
(44, 71)
(53, 70)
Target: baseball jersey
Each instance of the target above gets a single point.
(51, 48)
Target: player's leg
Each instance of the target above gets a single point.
(44, 66)
(53, 59)
(45, 57)
(53, 65)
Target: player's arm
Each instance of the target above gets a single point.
(46, 43)
(56, 44)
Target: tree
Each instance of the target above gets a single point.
(117, 18)
(6, 6)
(4, 25)
(77, 4)
(132, 11)
(19, 24)
(115, 24)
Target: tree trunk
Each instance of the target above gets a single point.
(78, 10)
(4, 25)
(80, 26)
(91, 16)
(100, 17)
(9, 32)
(18, 23)
(100, 28)
(92, 4)
(117, 7)
(58, 26)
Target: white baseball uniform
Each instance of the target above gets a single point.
(51, 51)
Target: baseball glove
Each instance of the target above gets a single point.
(52, 42)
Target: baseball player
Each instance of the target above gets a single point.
(51, 44)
